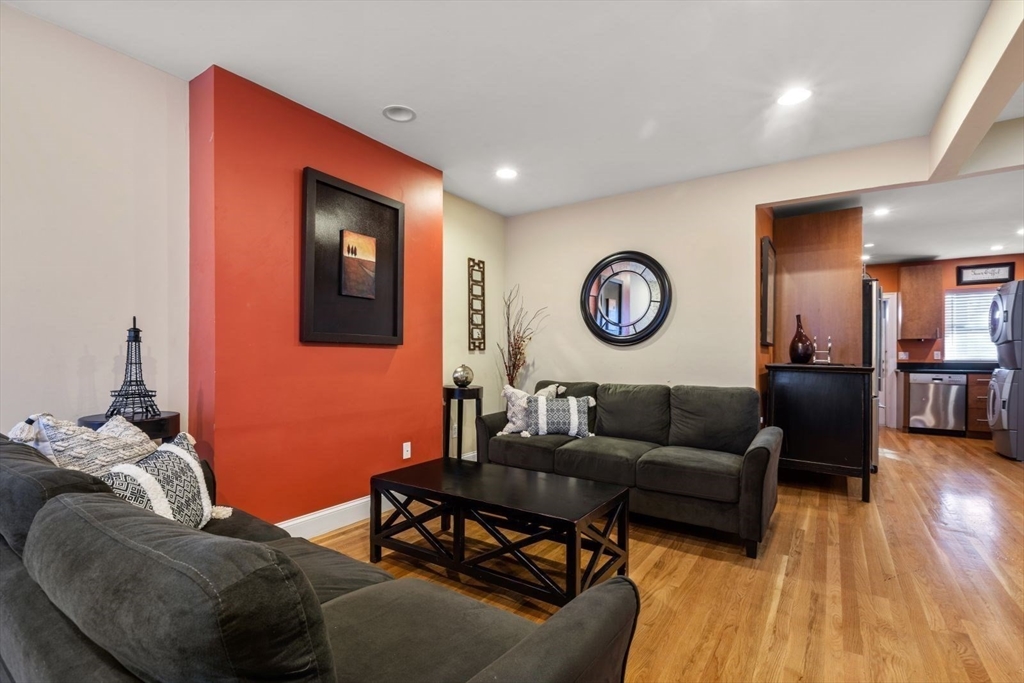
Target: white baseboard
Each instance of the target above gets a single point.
(329, 519)
(321, 521)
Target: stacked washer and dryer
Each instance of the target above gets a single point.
(1006, 389)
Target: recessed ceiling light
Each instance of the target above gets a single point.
(399, 113)
(506, 173)
(794, 96)
(869, 245)
(881, 211)
(1021, 231)
(997, 247)
(865, 257)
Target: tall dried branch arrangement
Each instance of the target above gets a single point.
(520, 327)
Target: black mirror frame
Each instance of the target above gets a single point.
(666, 300)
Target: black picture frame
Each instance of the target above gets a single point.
(768, 268)
(330, 207)
(590, 295)
(1009, 267)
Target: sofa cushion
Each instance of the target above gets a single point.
(716, 418)
(39, 643)
(602, 458)
(694, 472)
(576, 390)
(634, 411)
(411, 630)
(174, 603)
(246, 527)
(330, 573)
(531, 453)
(27, 480)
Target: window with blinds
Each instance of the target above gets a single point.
(967, 335)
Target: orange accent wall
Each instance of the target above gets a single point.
(299, 427)
(888, 275)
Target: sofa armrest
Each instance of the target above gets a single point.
(759, 483)
(211, 481)
(487, 427)
(587, 640)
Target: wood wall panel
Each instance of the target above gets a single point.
(819, 277)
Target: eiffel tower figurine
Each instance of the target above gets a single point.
(133, 400)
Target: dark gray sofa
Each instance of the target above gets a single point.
(95, 589)
(688, 454)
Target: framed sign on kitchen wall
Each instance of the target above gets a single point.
(985, 274)
(352, 263)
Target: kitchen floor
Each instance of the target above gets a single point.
(926, 582)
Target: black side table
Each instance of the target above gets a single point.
(460, 394)
(166, 425)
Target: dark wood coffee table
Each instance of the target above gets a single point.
(580, 514)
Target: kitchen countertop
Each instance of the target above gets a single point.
(950, 368)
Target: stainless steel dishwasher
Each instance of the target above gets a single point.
(938, 402)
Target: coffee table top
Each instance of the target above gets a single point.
(540, 493)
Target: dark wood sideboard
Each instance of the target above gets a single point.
(824, 412)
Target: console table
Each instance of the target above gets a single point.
(459, 394)
(824, 412)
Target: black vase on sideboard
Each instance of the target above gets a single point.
(801, 349)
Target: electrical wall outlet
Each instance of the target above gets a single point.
(406, 450)
(903, 355)
(937, 355)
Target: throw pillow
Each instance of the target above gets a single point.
(515, 399)
(80, 448)
(557, 416)
(169, 482)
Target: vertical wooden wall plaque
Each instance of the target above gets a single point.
(477, 335)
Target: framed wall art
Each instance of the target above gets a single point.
(768, 265)
(477, 329)
(986, 274)
(352, 263)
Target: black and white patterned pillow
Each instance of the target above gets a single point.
(515, 400)
(169, 482)
(80, 448)
(557, 416)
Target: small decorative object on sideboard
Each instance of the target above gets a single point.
(463, 376)
(823, 357)
(133, 399)
(801, 349)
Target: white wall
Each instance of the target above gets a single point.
(471, 231)
(93, 222)
(702, 232)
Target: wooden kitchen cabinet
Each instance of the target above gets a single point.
(921, 301)
(977, 407)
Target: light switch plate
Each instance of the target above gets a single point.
(937, 355)
(903, 355)
(406, 450)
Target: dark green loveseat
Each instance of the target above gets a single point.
(688, 454)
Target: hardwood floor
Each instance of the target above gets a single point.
(925, 583)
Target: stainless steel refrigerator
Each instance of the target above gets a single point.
(874, 356)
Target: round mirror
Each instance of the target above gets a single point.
(625, 298)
